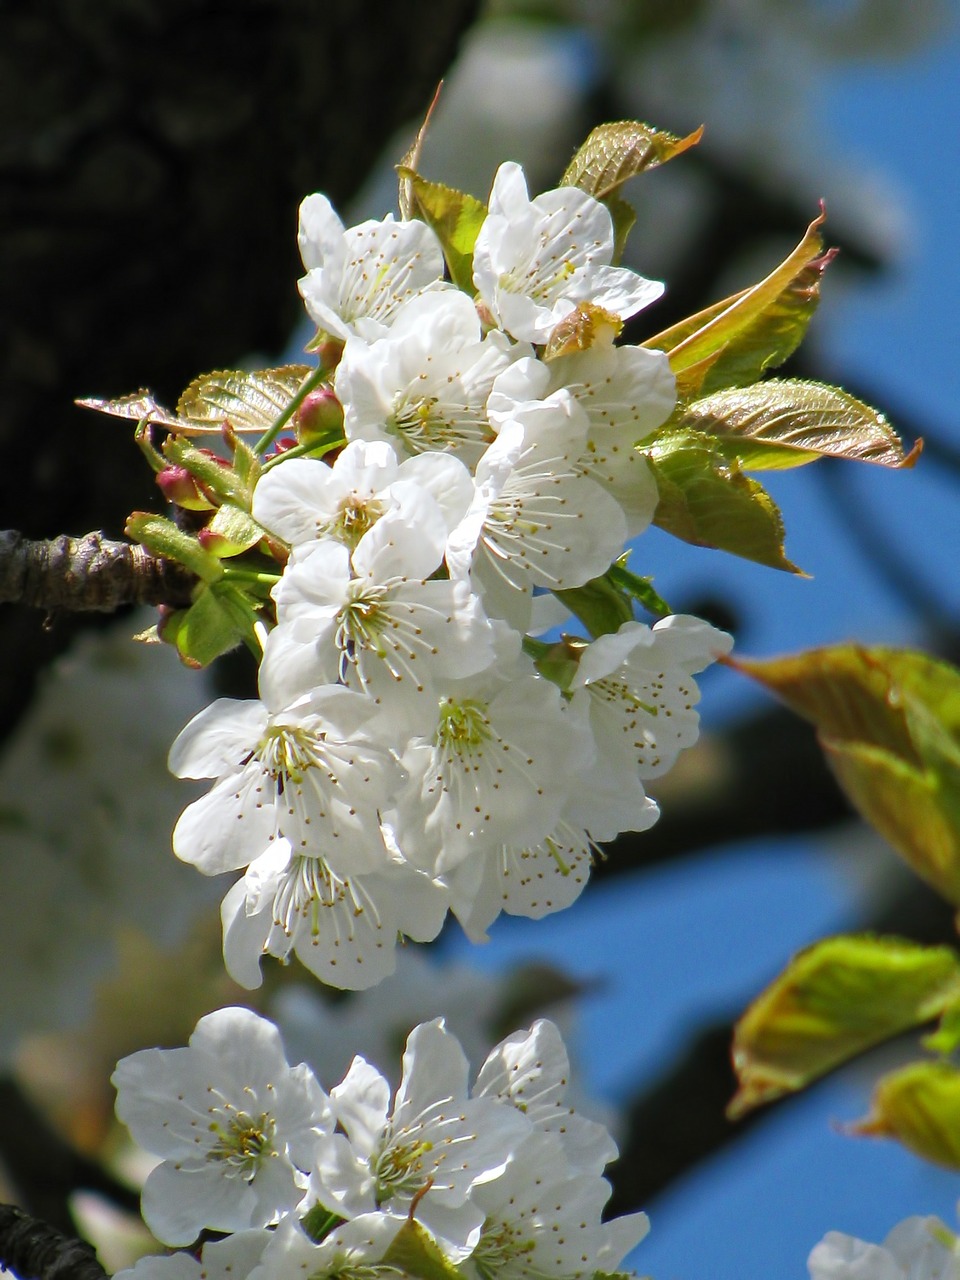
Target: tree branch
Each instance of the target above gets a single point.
(37, 1251)
(76, 575)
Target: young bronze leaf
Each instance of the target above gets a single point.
(919, 1105)
(615, 152)
(757, 329)
(410, 162)
(834, 1000)
(889, 723)
(788, 422)
(455, 216)
(139, 407)
(250, 402)
(707, 500)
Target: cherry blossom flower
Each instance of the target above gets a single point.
(531, 1071)
(311, 772)
(495, 767)
(916, 1249)
(543, 1218)
(307, 499)
(535, 260)
(233, 1123)
(641, 693)
(342, 925)
(233, 1258)
(352, 1251)
(430, 1150)
(358, 277)
(424, 386)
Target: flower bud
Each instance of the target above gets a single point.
(319, 416)
(182, 489)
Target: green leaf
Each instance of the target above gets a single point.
(249, 402)
(455, 216)
(639, 589)
(946, 1038)
(231, 531)
(414, 1252)
(834, 1000)
(600, 605)
(706, 499)
(616, 152)
(889, 723)
(410, 163)
(789, 422)
(919, 1105)
(208, 628)
(734, 342)
(163, 538)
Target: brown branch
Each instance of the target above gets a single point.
(37, 1251)
(74, 575)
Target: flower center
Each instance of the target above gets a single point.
(463, 726)
(286, 752)
(398, 1166)
(355, 515)
(360, 622)
(242, 1142)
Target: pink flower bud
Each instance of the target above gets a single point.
(182, 489)
(320, 415)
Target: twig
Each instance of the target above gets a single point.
(36, 1251)
(73, 575)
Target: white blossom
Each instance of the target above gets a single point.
(639, 687)
(495, 767)
(429, 1150)
(358, 277)
(916, 1249)
(531, 880)
(305, 499)
(352, 1251)
(312, 773)
(535, 260)
(234, 1126)
(424, 386)
(531, 1071)
(379, 625)
(536, 520)
(626, 392)
(543, 1219)
(342, 925)
(233, 1258)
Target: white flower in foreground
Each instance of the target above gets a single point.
(532, 880)
(530, 1070)
(352, 1251)
(424, 386)
(311, 773)
(358, 277)
(233, 1258)
(638, 685)
(495, 768)
(342, 926)
(536, 519)
(535, 260)
(378, 625)
(916, 1249)
(306, 499)
(543, 1219)
(234, 1126)
(626, 392)
(428, 1152)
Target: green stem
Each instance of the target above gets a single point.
(310, 381)
(318, 1222)
(311, 450)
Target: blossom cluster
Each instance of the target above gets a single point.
(501, 1178)
(412, 750)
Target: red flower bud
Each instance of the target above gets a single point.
(320, 415)
(182, 489)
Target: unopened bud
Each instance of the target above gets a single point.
(328, 352)
(182, 489)
(320, 416)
